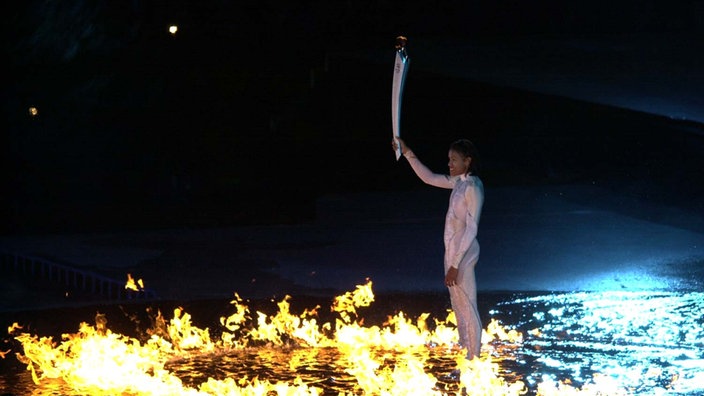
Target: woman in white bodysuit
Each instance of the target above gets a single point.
(460, 236)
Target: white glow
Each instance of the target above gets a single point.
(173, 29)
(644, 340)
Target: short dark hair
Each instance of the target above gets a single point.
(466, 148)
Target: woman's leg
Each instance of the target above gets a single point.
(463, 297)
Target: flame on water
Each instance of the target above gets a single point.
(131, 284)
(391, 359)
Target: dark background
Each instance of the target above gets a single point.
(254, 109)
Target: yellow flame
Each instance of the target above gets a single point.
(482, 377)
(14, 327)
(234, 323)
(495, 331)
(134, 285)
(185, 336)
(347, 303)
(535, 332)
(391, 359)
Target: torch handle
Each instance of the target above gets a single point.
(401, 64)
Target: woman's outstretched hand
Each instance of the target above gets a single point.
(395, 145)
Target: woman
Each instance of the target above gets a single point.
(461, 223)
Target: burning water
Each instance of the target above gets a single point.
(640, 344)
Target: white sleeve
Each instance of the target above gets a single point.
(474, 196)
(425, 174)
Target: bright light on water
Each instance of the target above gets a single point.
(600, 343)
(648, 342)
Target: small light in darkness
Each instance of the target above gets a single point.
(173, 29)
(33, 111)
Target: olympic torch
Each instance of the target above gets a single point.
(400, 69)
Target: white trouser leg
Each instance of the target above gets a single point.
(463, 297)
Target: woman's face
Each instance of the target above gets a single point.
(458, 164)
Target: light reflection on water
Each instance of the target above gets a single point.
(649, 342)
(324, 368)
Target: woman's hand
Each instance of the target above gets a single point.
(395, 145)
(451, 277)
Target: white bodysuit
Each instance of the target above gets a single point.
(461, 247)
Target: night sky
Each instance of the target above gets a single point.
(255, 109)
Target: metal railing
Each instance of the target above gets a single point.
(70, 277)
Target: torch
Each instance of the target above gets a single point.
(400, 69)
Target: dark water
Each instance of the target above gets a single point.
(647, 342)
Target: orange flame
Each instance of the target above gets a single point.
(12, 328)
(134, 285)
(384, 360)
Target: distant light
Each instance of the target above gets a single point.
(173, 29)
(33, 111)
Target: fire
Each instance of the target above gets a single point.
(12, 328)
(391, 359)
(495, 331)
(134, 285)
(347, 303)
